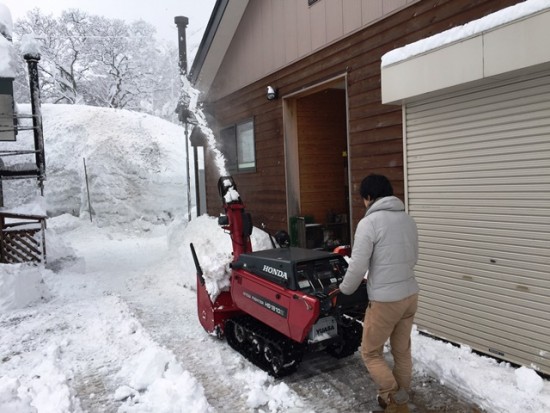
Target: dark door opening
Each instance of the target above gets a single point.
(322, 217)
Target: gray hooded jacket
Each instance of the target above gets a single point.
(385, 245)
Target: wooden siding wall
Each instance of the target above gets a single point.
(375, 130)
(322, 139)
(274, 33)
(263, 191)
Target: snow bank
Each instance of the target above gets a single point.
(494, 385)
(135, 166)
(21, 285)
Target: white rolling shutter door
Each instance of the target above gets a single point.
(478, 185)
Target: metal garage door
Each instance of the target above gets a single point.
(478, 184)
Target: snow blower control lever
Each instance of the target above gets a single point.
(281, 302)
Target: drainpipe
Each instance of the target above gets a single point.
(197, 139)
(1, 187)
(32, 63)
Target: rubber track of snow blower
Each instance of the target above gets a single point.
(263, 346)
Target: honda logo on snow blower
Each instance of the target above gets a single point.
(276, 272)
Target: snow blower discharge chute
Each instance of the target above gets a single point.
(282, 302)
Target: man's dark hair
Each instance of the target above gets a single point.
(375, 186)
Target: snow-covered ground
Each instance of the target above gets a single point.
(110, 325)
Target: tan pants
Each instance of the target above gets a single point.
(391, 320)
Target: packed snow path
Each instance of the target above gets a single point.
(322, 384)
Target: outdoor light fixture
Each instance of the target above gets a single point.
(271, 93)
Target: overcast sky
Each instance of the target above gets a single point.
(160, 13)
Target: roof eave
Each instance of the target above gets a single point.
(217, 37)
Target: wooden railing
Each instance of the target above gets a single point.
(22, 238)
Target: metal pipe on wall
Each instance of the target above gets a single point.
(183, 105)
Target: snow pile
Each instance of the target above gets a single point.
(470, 29)
(162, 382)
(264, 392)
(10, 400)
(213, 248)
(46, 388)
(48, 385)
(134, 164)
(494, 385)
(20, 286)
(52, 352)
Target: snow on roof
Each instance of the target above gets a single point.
(470, 29)
(30, 46)
(36, 208)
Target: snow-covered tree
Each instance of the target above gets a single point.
(102, 62)
(64, 41)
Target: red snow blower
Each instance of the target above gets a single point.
(282, 302)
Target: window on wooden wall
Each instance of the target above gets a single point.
(238, 147)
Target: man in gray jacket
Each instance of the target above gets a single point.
(385, 249)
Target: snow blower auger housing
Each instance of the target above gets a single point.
(281, 302)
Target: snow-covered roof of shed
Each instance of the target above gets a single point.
(7, 52)
(470, 29)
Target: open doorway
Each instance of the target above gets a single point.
(316, 148)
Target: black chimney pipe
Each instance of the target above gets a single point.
(182, 22)
(32, 63)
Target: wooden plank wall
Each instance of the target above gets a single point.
(375, 130)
